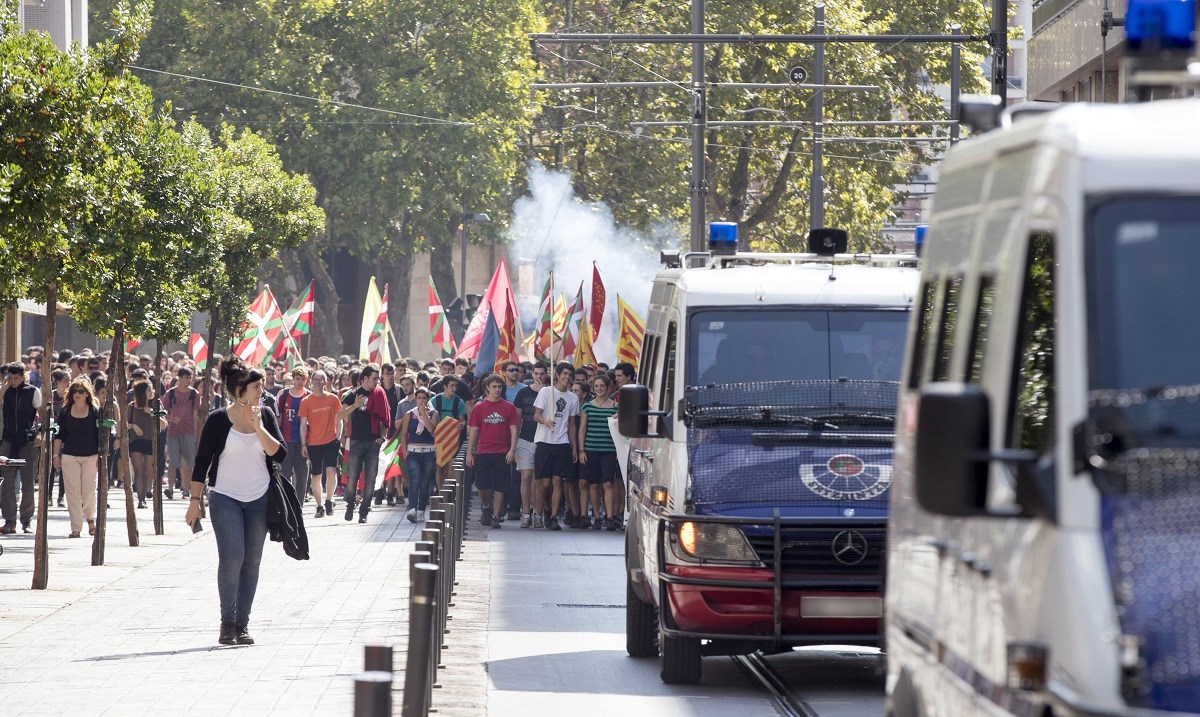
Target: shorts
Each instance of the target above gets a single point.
(182, 450)
(525, 455)
(322, 456)
(491, 472)
(553, 459)
(141, 446)
(601, 467)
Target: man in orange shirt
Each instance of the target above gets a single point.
(318, 439)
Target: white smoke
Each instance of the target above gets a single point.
(554, 231)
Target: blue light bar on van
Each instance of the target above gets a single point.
(1160, 24)
(919, 237)
(723, 237)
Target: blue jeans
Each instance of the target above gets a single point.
(364, 458)
(421, 470)
(241, 530)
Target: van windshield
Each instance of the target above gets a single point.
(727, 346)
(1144, 318)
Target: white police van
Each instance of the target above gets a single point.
(761, 453)
(1045, 526)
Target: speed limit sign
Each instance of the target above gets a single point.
(798, 75)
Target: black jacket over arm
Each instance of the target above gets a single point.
(284, 522)
(212, 444)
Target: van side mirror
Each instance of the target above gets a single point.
(953, 425)
(633, 412)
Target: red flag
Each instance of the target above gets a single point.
(198, 350)
(131, 344)
(598, 297)
(498, 298)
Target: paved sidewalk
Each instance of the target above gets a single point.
(138, 635)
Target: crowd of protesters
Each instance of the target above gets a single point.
(537, 439)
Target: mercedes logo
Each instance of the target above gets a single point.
(849, 547)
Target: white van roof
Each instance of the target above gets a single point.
(1117, 143)
(791, 285)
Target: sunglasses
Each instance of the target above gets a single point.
(512, 370)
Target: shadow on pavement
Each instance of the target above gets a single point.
(608, 672)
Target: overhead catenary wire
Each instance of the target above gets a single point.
(310, 98)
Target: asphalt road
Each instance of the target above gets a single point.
(556, 644)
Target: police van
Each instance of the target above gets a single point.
(761, 455)
(1045, 527)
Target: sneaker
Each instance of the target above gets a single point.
(570, 521)
(243, 636)
(538, 521)
(583, 524)
(391, 500)
(320, 512)
(411, 515)
(420, 516)
(599, 523)
(60, 503)
(485, 518)
(526, 520)
(502, 516)
(25, 527)
(552, 524)
(362, 519)
(228, 633)
(613, 524)
(496, 523)
(514, 515)
(349, 512)
(329, 507)
(170, 494)
(8, 529)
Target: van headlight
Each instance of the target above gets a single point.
(696, 542)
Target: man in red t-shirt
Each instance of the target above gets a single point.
(491, 446)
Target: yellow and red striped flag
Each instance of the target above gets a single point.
(629, 336)
(447, 437)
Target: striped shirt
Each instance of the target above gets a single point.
(598, 438)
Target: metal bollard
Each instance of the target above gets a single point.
(373, 694)
(452, 542)
(438, 517)
(418, 677)
(452, 484)
(377, 658)
(433, 531)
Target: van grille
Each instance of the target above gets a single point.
(813, 552)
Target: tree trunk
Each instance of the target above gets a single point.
(325, 316)
(155, 443)
(41, 549)
(398, 275)
(124, 468)
(106, 425)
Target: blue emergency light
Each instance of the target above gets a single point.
(919, 237)
(1160, 24)
(723, 237)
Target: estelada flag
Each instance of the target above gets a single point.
(598, 298)
(507, 350)
(447, 437)
(629, 336)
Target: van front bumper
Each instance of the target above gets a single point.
(766, 606)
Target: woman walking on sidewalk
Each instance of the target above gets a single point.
(76, 454)
(141, 425)
(420, 453)
(240, 447)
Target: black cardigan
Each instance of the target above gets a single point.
(212, 444)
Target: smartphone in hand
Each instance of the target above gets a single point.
(197, 526)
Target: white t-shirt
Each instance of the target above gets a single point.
(242, 469)
(559, 405)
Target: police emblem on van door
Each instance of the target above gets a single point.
(846, 477)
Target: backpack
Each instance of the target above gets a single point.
(192, 394)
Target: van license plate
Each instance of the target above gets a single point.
(841, 607)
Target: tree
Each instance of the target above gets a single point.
(451, 82)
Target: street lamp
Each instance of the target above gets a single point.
(462, 287)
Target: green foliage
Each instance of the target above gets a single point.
(454, 76)
(130, 217)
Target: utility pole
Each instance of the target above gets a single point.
(699, 184)
(816, 187)
(1000, 50)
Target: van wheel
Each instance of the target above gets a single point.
(641, 624)
(680, 660)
